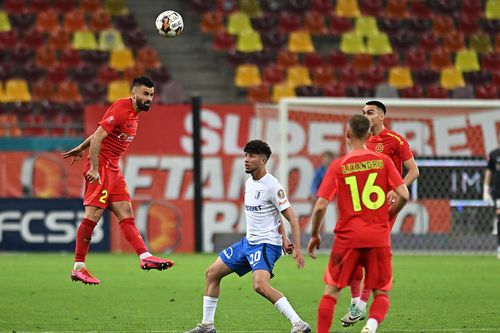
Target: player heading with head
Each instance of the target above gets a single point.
(105, 185)
(259, 250)
(361, 180)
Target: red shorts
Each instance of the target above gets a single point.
(377, 262)
(112, 189)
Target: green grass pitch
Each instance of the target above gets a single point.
(430, 294)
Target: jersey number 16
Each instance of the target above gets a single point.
(366, 193)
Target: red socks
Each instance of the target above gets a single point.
(83, 237)
(355, 284)
(365, 295)
(326, 308)
(379, 308)
(132, 235)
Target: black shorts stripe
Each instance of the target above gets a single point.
(264, 254)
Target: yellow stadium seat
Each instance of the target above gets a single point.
(451, 78)
(238, 23)
(400, 77)
(300, 42)
(352, 43)
(347, 8)
(366, 26)
(16, 90)
(110, 40)
(121, 59)
(466, 61)
(247, 76)
(298, 76)
(481, 43)
(249, 41)
(250, 7)
(118, 89)
(4, 21)
(116, 7)
(84, 40)
(281, 90)
(379, 44)
(492, 11)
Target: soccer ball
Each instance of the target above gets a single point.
(169, 24)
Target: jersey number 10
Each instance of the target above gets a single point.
(366, 193)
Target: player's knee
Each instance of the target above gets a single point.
(211, 273)
(93, 213)
(377, 292)
(260, 287)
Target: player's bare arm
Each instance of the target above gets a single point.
(287, 245)
(411, 174)
(77, 152)
(486, 187)
(403, 197)
(95, 148)
(317, 217)
(290, 215)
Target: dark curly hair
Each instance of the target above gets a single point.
(258, 147)
(143, 81)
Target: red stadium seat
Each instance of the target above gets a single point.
(487, 91)
(336, 89)
(429, 41)
(337, 59)
(374, 76)
(259, 94)
(314, 23)
(289, 22)
(340, 25)
(47, 21)
(420, 10)
(223, 41)
(212, 22)
(387, 61)
(372, 7)
(416, 59)
(75, 20)
(436, 91)
(323, 76)
(396, 9)
(321, 6)
(412, 92)
(313, 60)
(273, 74)
(70, 58)
(101, 20)
(14, 6)
(39, 5)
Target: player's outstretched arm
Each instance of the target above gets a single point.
(317, 217)
(404, 196)
(77, 152)
(95, 148)
(290, 215)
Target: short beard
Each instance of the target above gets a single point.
(142, 106)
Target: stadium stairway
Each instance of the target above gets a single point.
(188, 57)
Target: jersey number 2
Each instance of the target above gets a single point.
(104, 196)
(369, 189)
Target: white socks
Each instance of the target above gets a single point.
(209, 306)
(286, 309)
(145, 255)
(78, 265)
(372, 324)
(355, 300)
(361, 305)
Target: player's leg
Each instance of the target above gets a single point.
(326, 308)
(356, 311)
(262, 258)
(83, 237)
(378, 268)
(124, 213)
(497, 205)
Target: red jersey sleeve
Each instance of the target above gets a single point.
(404, 151)
(393, 177)
(328, 187)
(113, 117)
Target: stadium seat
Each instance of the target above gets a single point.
(416, 59)
(473, 8)
(352, 43)
(23, 22)
(262, 58)
(212, 22)
(400, 77)
(466, 61)
(125, 22)
(495, 80)
(117, 89)
(6, 72)
(138, 70)
(436, 91)
(308, 91)
(298, 76)
(84, 40)
(481, 43)
(235, 57)
(259, 94)
(116, 7)
(42, 91)
(366, 26)
(374, 76)
(347, 8)
(16, 90)
(121, 59)
(47, 21)
(440, 58)
(39, 5)
(289, 22)
(59, 39)
(264, 24)
(340, 25)
(322, 76)
(273, 74)
(451, 78)
(321, 6)
(93, 93)
(389, 26)
(468, 24)
(223, 41)
(477, 78)
(90, 6)
(70, 58)
(14, 6)
(349, 75)
(250, 7)
(419, 26)
(420, 10)
(249, 41)
(335, 89)
(107, 74)
(201, 6)
(63, 6)
(287, 59)
(445, 7)
(372, 7)
(403, 40)
(100, 20)
(4, 21)
(272, 6)
(313, 60)
(443, 25)
(20, 55)
(387, 61)
(110, 40)
(68, 92)
(491, 27)
(148, 57)
(247, 75)
(386, 90)
(274, 40)
(226, 6)
(490, 61)
(337, 59)
(238, 23)
(487, 91)
(314, 23)
(300, 42)
(379, 44)
(75, 20)
(45, 57)
(492, 10)
(465, 92)
(31, 73)
(56, 74)
(282, 90)
(429, 41)
(95, 58)
(362, 62)
(426, 76)
(412, 92)
(454, 41)
(396, 9)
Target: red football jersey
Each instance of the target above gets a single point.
(120, 122)
(361, 180)
(393, 145)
